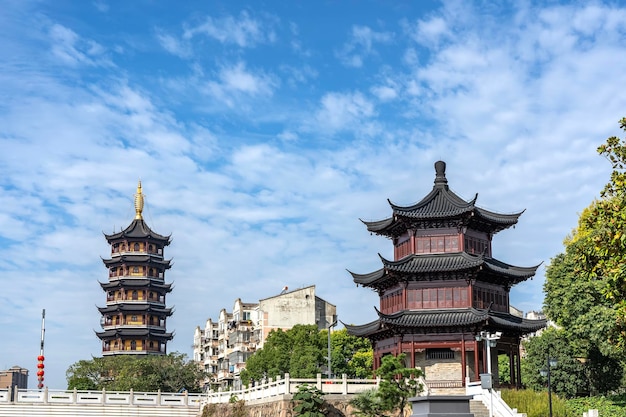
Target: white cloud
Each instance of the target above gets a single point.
(72, 50)
(173, 45)
(361, 45)
(236, 81)
(244, 30)
(343, 111)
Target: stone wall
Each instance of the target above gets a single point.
(283, 407)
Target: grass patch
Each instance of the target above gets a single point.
(535, 404)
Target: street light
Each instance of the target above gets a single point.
(551, 363)
(492, 341)
(333, 324)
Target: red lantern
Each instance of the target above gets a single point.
(40, 365)
(40, 386)
(40, 378)
(40, 358)
(40, 373)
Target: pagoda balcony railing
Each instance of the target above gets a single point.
(120, 252)
(137, 350)
(111, 325)
(127, 275)
(160, 300)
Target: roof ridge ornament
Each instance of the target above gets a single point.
(138, 202)
(440, 175)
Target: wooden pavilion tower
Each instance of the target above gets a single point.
(134, 318)
(443, 289)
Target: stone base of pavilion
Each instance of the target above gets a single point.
(441, 406)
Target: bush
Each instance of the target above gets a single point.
(309, 401)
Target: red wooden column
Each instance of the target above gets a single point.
(476, 370)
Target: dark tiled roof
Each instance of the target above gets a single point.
(136, 283)
(441, 204)
(135, 307)
(424, 321)
(138, 229)
(411, 267)
(137, 259)
(139, 332)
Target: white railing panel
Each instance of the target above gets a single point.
(117, 398)
(60, 397)
(4, 395)
(25, 396)
(89, 397)
(172, 399)
(145, 398)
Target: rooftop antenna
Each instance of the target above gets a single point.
(41, 358)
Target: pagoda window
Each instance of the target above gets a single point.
(477, 246)
(123, 247)
(150, 249)
(133, 318)
(434, 354)
(414, 299)
(136, 247)
(135, 295)
(437, 244)
(135, 269)
(403, 247)
(133, 345)
(151, 345)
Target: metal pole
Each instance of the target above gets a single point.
(549, 387)
(333, 324)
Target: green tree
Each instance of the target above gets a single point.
(301, 351)
(398, 383)
(297, 351)
(504, 369)
(568, 378)
(350, 355)
(169, 373)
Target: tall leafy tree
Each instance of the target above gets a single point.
(301, 351)
(586, 285)
(168, 373)
(350, 355)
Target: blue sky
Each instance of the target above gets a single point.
(263, 131)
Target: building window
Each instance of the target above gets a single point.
(133, 345)
(439, 354)
(135, 295)
(135, 269)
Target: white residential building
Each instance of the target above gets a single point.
(223, 347)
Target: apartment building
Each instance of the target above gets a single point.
(222, 347)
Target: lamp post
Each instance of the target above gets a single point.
(492, 341)
(550, 362)
(333, 324)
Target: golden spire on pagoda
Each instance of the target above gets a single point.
(138, 202)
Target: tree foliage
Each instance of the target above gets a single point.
(585, 288)
(350, 355)
(301, 351)
(168, 373)
(397, 384)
